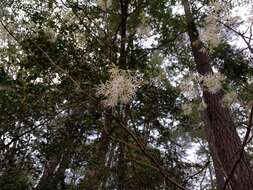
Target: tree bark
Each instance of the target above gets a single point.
(220, 131)
(54, 172)
(97, 175)
(122, 162)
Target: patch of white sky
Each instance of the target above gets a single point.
(246, 17)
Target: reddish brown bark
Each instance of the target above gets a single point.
(220, 131)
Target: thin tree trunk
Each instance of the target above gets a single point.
(97, 174)
(220, 131)
(109, 164)
(49, 167)
(54, 172)
(122, 163)
(122, 167)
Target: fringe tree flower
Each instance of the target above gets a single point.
(212, 31)
(213, 82)
(104, 4)
(51, 34)
(229, 98)
(189, 87)
(187, 109)
(120, 88)
(143, 30)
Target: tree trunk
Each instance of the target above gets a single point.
(54, 172)
(220, 131)
(122, 166)
(122, 162)
(97, 174)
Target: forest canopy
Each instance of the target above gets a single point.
(126, 94)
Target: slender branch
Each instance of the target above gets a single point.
(150, 157)
(143, 163)
(202, 180)
(199, 172)
(46, 54)
(242, 35)
(30, 130)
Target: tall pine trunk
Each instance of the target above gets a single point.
(220, 131)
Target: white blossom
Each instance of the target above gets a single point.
(104, 4)
(52, 35)
(189, 88)
(80, 39)
(187, 109)
(120, 88)
(229, 98)
(213, 82)
(143, 30)
(212, 32)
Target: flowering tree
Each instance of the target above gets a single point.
(112, 94)
(218, 120)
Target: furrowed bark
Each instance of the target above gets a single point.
(220, 131)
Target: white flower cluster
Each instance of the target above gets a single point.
(104, 4)
(143, 30)
(213, 82)
(189, 89)
(218, 11)
(52, 35)
(212, 32)
(121, 87)
(187, 109)
(229, 98)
